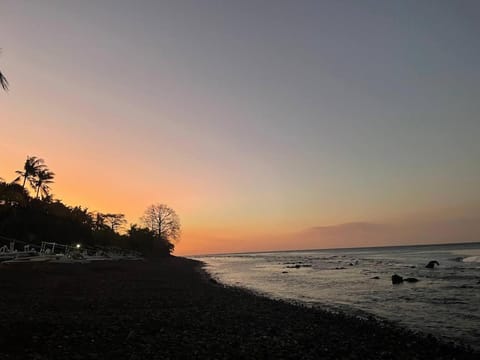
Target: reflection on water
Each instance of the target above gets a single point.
(445, 302)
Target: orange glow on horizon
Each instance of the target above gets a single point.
(223, 207)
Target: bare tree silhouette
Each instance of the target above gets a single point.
(163, 221)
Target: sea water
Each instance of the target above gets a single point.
(444, 302)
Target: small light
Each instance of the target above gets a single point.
(78, 246)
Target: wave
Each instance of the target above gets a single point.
(471, 259)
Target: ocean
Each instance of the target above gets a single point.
(444, 302)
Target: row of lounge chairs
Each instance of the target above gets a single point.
(59, 253)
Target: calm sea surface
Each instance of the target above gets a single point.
(445, 301)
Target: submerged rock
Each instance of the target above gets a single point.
(298, 266)
(432, 264)
(396, 279)
(375, 277)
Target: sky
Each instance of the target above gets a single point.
(259, 122)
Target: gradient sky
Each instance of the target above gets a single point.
(255, 120)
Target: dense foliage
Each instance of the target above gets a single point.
(38, 217)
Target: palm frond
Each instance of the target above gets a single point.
(33, 182)
(3, 82)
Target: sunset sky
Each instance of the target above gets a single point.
(262, 123)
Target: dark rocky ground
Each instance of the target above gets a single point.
(168, 309)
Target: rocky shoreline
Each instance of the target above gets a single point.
(169, 309)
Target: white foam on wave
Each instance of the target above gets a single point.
(472, 259)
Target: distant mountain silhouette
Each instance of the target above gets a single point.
(376, 234)
(351, 226)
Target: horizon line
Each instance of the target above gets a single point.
(339, 248)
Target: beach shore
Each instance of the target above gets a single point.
(170, 309)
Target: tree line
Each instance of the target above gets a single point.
(29, 213)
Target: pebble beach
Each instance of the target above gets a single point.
(170, 309)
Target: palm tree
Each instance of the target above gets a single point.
(3, 81)
(43, 179)
(31, 168)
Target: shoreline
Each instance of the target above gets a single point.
(347, 311)
(172, 308)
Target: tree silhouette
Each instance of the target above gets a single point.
(12, 194)
(31, 168)
(141, 239)
(98, 221)
(35, 216)
(114, 221)
(41, 182)
(164, 222)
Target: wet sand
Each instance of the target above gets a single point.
(169, 309)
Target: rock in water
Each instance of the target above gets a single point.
(411, 280)
(396, 279)
(432, 264)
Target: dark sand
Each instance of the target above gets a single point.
(168, 309)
